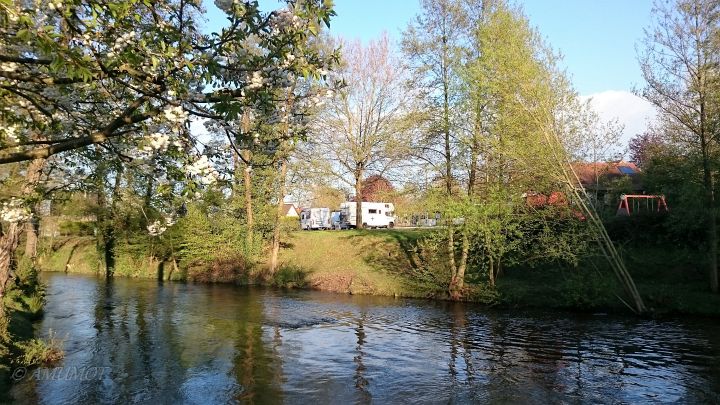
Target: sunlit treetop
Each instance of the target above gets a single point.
(130, 74)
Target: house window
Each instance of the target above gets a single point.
(372, 211)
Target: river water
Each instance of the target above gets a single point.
(133, 341)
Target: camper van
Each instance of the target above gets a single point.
(315, 218)
(374, 214)
(338, 220)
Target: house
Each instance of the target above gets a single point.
(291, 210)
(601, 179)
(599, 176)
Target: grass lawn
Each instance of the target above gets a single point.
(355, 261)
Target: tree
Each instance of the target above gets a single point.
(432, 45)
(125, 78)
(643, 146)
(679, 64)
(364, 127)
(376, 188)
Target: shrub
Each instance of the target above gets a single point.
(38, 352)
(290, 276)
(77, 228)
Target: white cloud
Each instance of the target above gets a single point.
(632, 111)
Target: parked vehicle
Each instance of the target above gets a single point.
(315, 218)
(338, 220)
(374, 214)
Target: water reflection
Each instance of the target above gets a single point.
(165, 343)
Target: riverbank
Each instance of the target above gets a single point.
(386, 262)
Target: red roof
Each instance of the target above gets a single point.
(590, 174)
(287, 207)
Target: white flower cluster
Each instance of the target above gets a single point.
(122, 42)
(317, 99)
(11, 134)
(284, 20)
(14, 211)
(204, 169)
(256, 81)
(55, 5)
(158, 227)
(157, 142)
(8, 66)
(287, 61)
(176, 115)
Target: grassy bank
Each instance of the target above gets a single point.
(355, 261)
(386, 262)
(19, 348)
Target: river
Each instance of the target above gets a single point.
(138, 341)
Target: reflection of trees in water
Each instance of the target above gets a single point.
(255, 367)
(138, 341)
(459, 345)
(361, 383)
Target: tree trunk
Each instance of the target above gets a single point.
(446, 133)
(358, 200)
(32, 177)
(278, 219)
(711, 214)
(458, 282)
(459, 276)
(451, 252)
(247, 184)
(8, 244)
(491, 272)
(106, 216)
(32, 228)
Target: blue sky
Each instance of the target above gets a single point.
(597, 39)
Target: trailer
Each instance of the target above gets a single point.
(374, 214)
(315, 218)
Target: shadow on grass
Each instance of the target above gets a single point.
(389, 250)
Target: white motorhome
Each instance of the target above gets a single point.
(374, 214)
(315, 218)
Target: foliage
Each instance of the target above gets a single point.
(678, 62)
(39, 352)
(290, 276)
(204, 236)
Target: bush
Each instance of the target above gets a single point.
(77, 228)
(221, 270)
(290, 276)
(38, 352)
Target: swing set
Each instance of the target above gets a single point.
(633, 203)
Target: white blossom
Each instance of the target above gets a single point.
(159, 227)
(11, 134)
(14, 211)
(284, 20)
(204, 169)
(9, 66)
(55, 5)
(256, 81)
(159, 142)
(176, 115)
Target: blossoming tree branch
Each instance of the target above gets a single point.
(126, 78)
